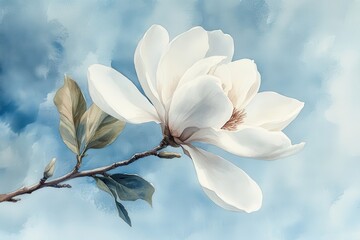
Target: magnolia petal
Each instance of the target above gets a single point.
(224, 183)
(199, 103)
(285, 152)
(220, 44)
(253, 142)
(201, 67)
(182, 52)
(223, 73)
(245, 82)
(272, 111)
(117, 96)
(146, 59)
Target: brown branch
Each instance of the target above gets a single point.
(57, 183)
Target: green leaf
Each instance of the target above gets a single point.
(132, 187)
(71, 105)
(100, 129)
(123, 213)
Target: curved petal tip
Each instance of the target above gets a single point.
(224, 183)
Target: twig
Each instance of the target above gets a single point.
(56, 183)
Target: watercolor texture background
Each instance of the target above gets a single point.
(307, 49)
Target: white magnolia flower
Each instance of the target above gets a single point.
(198, 94)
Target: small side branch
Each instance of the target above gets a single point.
(58, 183)
(61, 186)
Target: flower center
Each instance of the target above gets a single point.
(168, 138)
(235, 120)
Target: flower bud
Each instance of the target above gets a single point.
(49, 169)
(169, 155)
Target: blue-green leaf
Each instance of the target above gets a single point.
(123, 213)
(102, 185)
(132, 187)
(126, 187)
(107, 185)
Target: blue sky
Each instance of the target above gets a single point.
(308, 50)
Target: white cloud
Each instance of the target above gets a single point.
(13, 164)
(344, 84)
(30, 52)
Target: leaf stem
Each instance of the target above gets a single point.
(57, 183)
